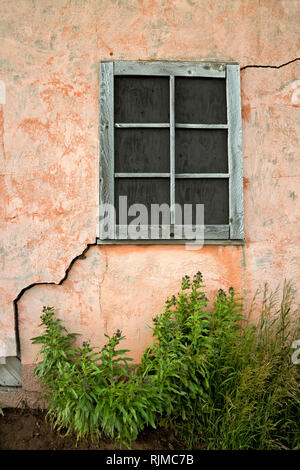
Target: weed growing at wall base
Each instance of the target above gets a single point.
(221, 381)
(92, 392)
(254, 400)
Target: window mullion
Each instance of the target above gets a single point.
(172, 148)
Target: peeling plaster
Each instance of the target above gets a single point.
(2, 92)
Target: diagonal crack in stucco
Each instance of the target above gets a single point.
(270, 66)
(22, 292)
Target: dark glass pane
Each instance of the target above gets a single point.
(145, 191)
(140, 99)
(200, 100)
(212, 192)
(201, 151)
(142, 150)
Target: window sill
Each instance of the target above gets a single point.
(168, 242)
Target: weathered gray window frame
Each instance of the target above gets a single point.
(233, 233)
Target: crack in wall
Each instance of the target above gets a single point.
(270, 66)
(22, 292)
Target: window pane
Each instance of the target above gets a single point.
(145, 191)
(142, 150)
(141, 99)
(200, 100)
(201, 151)
(212, 192)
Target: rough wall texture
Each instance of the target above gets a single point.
(49, 146)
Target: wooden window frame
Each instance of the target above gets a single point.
(233, 233)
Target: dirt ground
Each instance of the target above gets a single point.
(27, 429)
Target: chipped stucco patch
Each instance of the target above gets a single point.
(2, 92)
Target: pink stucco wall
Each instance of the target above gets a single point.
(49, 146)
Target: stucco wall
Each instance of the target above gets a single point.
(49, 145)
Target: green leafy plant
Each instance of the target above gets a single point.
(178, 356)
(91, 392)
(187, 341)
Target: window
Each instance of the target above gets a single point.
(170, 133)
